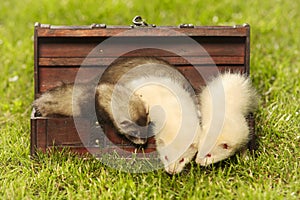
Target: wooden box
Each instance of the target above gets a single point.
(60, 51)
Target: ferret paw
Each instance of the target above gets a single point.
(41, 111)
(44, 108)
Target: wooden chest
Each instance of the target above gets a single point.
(60, 51)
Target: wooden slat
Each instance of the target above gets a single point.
(218, 60)
(41, 134)
(143, 47)
(50, 77)
(125, 152)
(62, 131)
(196, 79)
(127, 31)
(33, 133)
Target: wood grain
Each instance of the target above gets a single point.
(154, 46)
(51, 77)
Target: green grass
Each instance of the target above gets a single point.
(275, 68)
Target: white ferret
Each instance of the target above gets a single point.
(173, 110)
(224, 104)
(175, 117)
(173, 113)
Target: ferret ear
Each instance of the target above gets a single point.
(126, 122)
(194, 146)
(127, 125)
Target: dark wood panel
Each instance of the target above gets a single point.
(143, 47)
(50, 77)
(125, 152)
(72, 143)
(62, 131)
(33, 133)
(219, 60)
(41, 134)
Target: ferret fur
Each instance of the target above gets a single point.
(239, 99)
(133, 118)
(60, 100)
(129, 77)
(173, 111)
(67, 100)
(172, 133)
(124, 109)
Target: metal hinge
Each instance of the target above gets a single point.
(186, 26)
(98, 26)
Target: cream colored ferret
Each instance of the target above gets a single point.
(224, 104)
(173, 112)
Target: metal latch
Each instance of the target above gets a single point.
(138, 21)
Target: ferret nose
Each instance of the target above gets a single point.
(171, 169)
(143, 132)
(137, 140)
(170, 172)
(140, 141)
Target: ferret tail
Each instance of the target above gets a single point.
(239, 92)
(65, 100)
(233, 88)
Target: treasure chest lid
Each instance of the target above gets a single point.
(60, 51)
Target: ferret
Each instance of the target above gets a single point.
(129, 117)
(69, 100)
(124, 109)
(141, 97)
(175, 124)
(224, 104)
(173, 112)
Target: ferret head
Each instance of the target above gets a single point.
(175, 165)
(233, 138)
(135, 133)
(220, 151)
(125, 109)
(136, 128)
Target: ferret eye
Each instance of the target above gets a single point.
(182, 159)
(225, 146)
(208, 155)
(166, 158)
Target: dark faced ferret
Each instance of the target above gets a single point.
(131, 94)
(173, 108)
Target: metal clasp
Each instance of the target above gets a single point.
(138, 21)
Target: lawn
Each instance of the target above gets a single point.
(272, 173)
